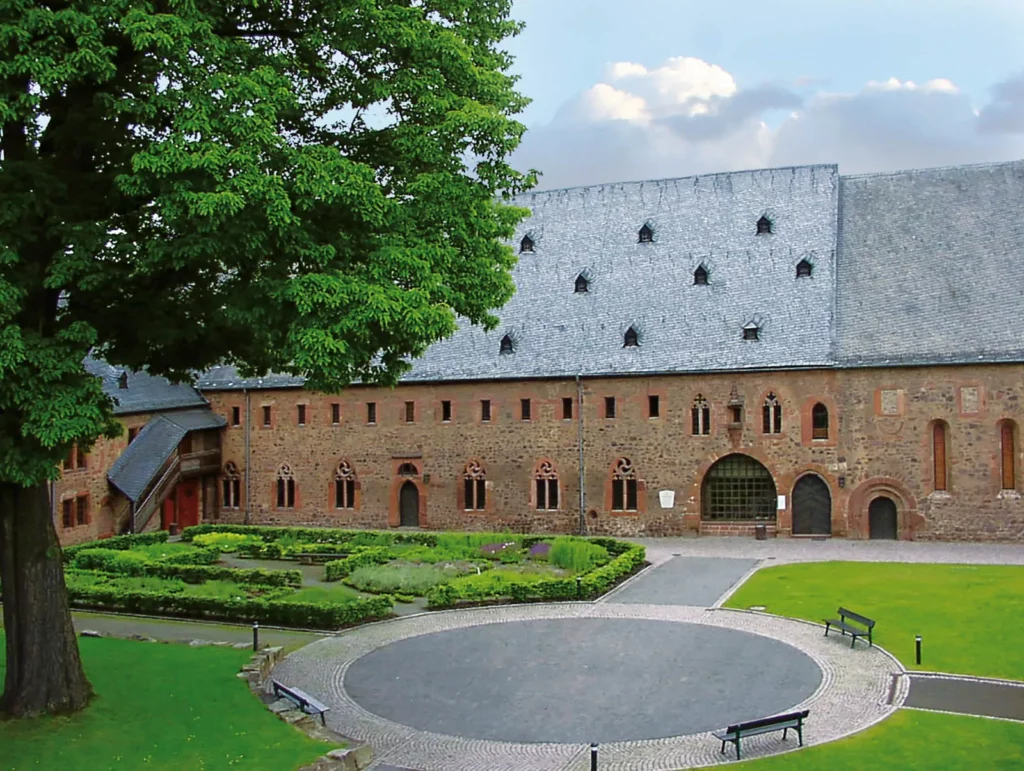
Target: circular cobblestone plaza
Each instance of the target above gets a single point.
(581, 680)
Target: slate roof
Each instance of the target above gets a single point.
(133, 471)
(931, 266)
(145, 392)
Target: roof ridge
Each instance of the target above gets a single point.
(932, 169)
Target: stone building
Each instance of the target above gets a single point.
(815, 353)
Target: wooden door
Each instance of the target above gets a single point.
(812, 506)
(409, 505)
(187, 493)
(882, 519)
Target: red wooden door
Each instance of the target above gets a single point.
(187, 494)
(168, 514)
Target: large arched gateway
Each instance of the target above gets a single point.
(737, 487)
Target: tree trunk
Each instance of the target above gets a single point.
(44, 669)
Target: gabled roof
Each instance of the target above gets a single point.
(931, 266)
(145, 392)
(141, 460)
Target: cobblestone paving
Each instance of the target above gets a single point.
(856, 691)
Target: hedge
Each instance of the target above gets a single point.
(313, 534)
(118, 543)
(308, 615)
(127, 563)
(592, 584)
(360, 557)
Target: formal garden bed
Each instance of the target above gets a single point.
(252, 573)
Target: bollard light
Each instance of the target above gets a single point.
(593, 757)
(256, 636)
(579, 593)
(917, 641)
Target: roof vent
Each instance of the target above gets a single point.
(582, 285)
(631, 339)
(646, 235)
(764, 226)
(804, 269)
(700, 276)
(506, 345)
(526, 245)
(122, 380)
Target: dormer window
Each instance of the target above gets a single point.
(506, 345)
(764, 226)
(700, 276)
(582, 285)
(751, 332)
(526, 245)
(804, 269)
(630, 339)
(122, 380)
(646, 235)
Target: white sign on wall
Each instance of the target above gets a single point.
(782, 503)
(668, 498)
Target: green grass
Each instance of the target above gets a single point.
(912, 740)
(405, 579)
(164, 707)
(970, 617)
(335, 594)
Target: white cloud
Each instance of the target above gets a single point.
(688, 116)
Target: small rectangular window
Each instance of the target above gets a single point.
(618, 497)
(609, 406)
(737, 414)
(82, 510)
(371, 412)
(446, 411)
(236, 416)
(335, 413)
(266, 416)
(132, 433)
(69, 461)
(410, 412)
(566, 408)
(653, 406)
(630, 495)
(302, 414)
(525, 408)
(68, 513)
(485, 410)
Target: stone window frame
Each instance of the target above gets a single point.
(543, 481)
(621, 481)
(1008, 436)
(959, 399)
(938, 455)
(371, 413)
(772, 414)
(449, 405)
(700, 416)
(409, 412)
(345, 487)
(302, 414)
(807, 425)
(235, 416)
(286, 489)
(83, 509)
(473, 485)
(335, 412)
(231, 487)
(900, 397)
(268, 416)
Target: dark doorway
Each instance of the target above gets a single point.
(409, 505)
(882, 519)
(812, 506)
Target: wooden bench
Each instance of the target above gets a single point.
(301, 699)
(315, 557)
(735, 733)
(843, 625)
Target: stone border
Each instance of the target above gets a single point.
(854, 693)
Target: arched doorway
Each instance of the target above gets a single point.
(409, 505)
(812, 506)
(882, 519)
(737, 488)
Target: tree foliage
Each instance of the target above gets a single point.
(307, 186)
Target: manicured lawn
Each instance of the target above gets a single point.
(159, 707)
(971, 617)
(927, 741)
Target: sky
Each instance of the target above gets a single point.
(647, 89)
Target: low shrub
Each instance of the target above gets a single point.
(360, 557)
(315, 535)
(117, 542)
(577, 555)
(226, 543)
(405, 579)
(136, 563)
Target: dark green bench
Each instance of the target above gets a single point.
(301, 699)
(843, 625)
(735, 733)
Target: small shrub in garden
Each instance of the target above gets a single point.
(226, 542)
(510, 557)
(368, 555)
(576, 555)
(387, 579)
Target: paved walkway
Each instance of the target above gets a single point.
(531, 686)
(967, 695)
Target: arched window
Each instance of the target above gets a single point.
(764, 225)
(1008, 454)
(701, 416)
(700, 276)
(475, 482)
(624, 486)
(771, 415)
(526, 245)
(545, 480)
(646, 234)
(738, 487)
(232, 487)
(939, 462)
(285, 487)
(408, 470)
(344, 486)
(819, 421)
(804, 269)
(582, 285)
(506, 345)
(630, 339)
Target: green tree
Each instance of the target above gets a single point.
(309, 186)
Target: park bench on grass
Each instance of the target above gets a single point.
(735, 733)
(314, 558)
(843, 624)
(301, 699)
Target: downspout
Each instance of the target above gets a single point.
(248, 475)
(582, 462)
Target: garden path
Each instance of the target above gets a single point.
(967, 695)
(696, 581)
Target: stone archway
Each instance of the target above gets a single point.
(738, 488)
(883, 519)
(812, 506)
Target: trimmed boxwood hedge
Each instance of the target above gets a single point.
(360, 557)
(307, 615)
(313, 534)
(117, 542)
(126, 563)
